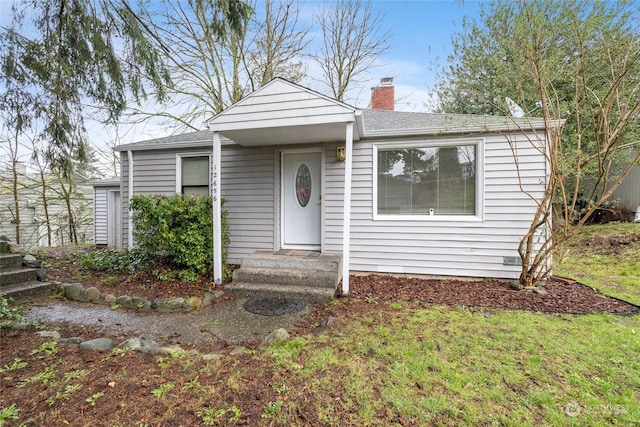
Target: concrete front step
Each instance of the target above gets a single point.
(8, 261)
(323, 262)
(17, 275)
(29, 291)
(287, 277)
(264, 290)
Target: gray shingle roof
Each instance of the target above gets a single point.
(388, 122)
(376, 122)
(109, 182)
(190, 138)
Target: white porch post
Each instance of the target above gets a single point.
(346, 223)
(217, 211)
(130, 195)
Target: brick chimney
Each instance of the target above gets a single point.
(382, 96)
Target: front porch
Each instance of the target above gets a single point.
(293, 274)
(299, 124)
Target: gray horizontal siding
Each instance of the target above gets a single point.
(439, 247)
(248, 188)
(100, 216)
(154, 172)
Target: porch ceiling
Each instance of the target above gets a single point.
(285, 135)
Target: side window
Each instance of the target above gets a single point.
(195, 175)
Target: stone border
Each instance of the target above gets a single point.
(77, 292)
(146, 346)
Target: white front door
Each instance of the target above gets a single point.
(301, 200)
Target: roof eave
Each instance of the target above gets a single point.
(436, 131)
(168, 145)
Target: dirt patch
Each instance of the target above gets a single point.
(617, 244)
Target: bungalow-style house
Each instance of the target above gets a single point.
(371, 190)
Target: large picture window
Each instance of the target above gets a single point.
(427, 180)
(194, 175)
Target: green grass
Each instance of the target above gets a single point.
(454, 367)
(614, 274)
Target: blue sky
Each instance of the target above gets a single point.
(421, 35)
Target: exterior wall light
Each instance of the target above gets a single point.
(341, 154)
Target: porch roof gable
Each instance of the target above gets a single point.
(282, 112)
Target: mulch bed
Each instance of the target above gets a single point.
(562, 295)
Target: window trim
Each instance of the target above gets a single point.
(433, 143)
(179, 157)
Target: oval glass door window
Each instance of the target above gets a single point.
(303, 185)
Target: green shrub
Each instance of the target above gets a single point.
(180, 227)
(114, 261)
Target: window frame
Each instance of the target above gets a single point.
(179, 158)
(433, 143)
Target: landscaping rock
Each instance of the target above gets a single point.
(31, 261)
(74, 291)
(207, 299)
(279, 334)
(170, 305)
(41, 275)
(177, 303)
(132, 344)
(195, 302)
(108, 298)
(92, 294)
(239, 350)
(71, 340)
(140, 303)
(54, 335)
(123, 301)
(325, 323)
(98, 344)
(515, 285)
(149, 347)
(540, 290)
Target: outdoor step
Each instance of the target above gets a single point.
(287, 277)
(264, 290)
(29, 291)
(323, 262)
(8, 261)
(13, 276)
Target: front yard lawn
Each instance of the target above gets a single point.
(378, 363)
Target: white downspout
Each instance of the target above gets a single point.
(130, 194)
(346, 222)
(217, 211)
